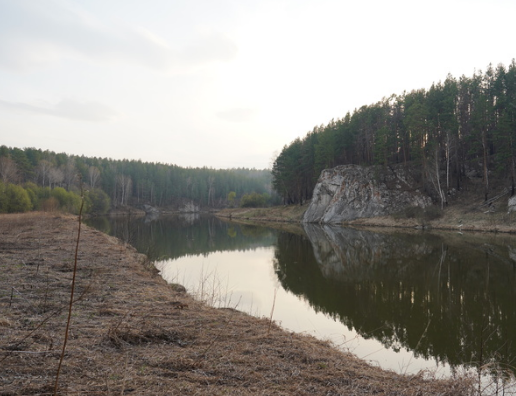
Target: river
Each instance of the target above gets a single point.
(406, 301)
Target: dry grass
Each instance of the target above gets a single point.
(129, 334)
(471, 216)
(290, 213)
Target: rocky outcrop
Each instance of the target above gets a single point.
(511, 204)
(150, 210)
(190, 207)
(348, 192)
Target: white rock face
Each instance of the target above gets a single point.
(348, 192)
(190, 207)
(511, 204)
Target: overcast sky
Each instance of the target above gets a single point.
(223, 83)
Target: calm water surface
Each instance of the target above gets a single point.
(404, 301)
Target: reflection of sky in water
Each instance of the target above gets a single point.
(246, 281)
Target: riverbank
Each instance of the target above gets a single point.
(131, 333)
(464, 215)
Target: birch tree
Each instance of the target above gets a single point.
(93, 176)
(55, 177)
(43, 172)
(123, 184)
(8, 170)
(69, 173)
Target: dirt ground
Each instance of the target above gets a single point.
(132, 334)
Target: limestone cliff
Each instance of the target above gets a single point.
(348, 192)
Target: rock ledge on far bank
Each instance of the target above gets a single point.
(349, 192)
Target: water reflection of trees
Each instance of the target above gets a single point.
(445, 297)
(176, 236)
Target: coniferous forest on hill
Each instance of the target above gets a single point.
(455, 127)
(43, 180)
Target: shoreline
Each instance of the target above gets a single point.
(458, 218)
(131, 333)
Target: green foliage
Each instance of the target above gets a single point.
(47, 199)
(19, 200)
(68, 200)
(293, 172)
(32, 190)
(22, 199)
(96, 201)
(231, 198)
(14, 199)
(254, 200)
(43, 195)
(3, 199)
(22, 162)
(459, 123)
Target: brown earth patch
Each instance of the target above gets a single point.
(132, 334)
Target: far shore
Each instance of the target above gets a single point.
(460, 218)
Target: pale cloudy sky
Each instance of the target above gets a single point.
(223, 83)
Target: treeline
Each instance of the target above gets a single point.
(457, 127)
(124, 182)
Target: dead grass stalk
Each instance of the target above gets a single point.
(72, 292)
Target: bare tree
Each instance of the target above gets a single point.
(433, 175)
(55, 177)
(8, 170)
(69, 172)
(211, 189)
(124, 184)
(447, 153)
(43, 171)
(94, 175)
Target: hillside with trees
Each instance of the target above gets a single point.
(34, 179)
(455, 129)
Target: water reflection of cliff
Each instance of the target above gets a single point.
(345, 253)
(183, 235)
(447, 297)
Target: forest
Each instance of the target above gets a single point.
(445, 133)
(44, 180)
(457, 127)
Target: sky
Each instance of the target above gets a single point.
(223, 83)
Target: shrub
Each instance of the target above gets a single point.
(96, 201)
(32, 189)
(42, 195)
(68, 200)
(3, 198)
(254, 200)
(17, 199)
